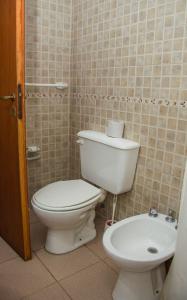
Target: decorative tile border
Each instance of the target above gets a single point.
(92, 97)
(40, 95)
(181, 104)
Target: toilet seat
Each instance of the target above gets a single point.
(66, 195)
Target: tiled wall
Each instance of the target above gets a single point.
(129, 62)
(131, 48)
(123, 59)
(48, 53)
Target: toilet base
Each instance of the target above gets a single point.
(140, 286)
(60, 241)
(63, 241)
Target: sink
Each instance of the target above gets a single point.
(139, 245)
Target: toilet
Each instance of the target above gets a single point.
(67, 208)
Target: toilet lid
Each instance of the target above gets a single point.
(65, 194)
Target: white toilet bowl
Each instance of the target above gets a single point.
(140, 245)
(67, 208)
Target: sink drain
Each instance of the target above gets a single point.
(152, 250)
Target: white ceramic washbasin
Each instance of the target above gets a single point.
(141, 243)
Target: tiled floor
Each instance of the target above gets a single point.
(84, 274)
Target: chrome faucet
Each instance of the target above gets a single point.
(171, 217)
(153, 212)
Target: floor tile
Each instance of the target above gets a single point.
(6, 252)
(19, 278)
(53, 292)
(65, 265)
(38, 236)
(97, 248)
(94, 283)
(9, 293)
(111, 263)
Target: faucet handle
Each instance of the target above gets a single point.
(153, 212)
(171, 217)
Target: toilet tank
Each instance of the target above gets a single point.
(108, 162)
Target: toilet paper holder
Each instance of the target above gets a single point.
(33, 152)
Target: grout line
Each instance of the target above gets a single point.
(9, 259)
(36, 292)
(108, 265)
(95, 253)
(69, 276)
(65, 291)
(44, 265)
(100, 259)
(35, 250)
(57, 280)
(103, 260)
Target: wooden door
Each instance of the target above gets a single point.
(14, 218)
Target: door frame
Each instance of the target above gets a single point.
(20, 61)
